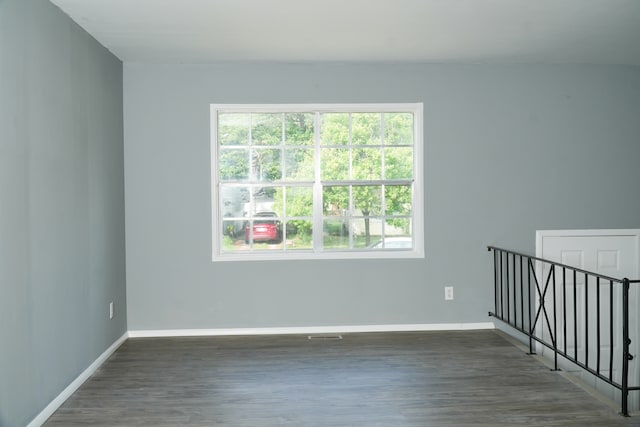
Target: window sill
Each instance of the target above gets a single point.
(309, 255)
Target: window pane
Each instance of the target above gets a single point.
(233, 129)
(367, 200)
(233, 164)
(365, 128)
(366, 231)
(334, 163)
(335, 201)
(334, 129)
(266, 129)
(399, 228)
(398, 128)
(398, 163)
(367, 163)
(335, 234)
(299, 129)
(265, 199)
(299, 234)
(299, 201)
(299, 213)
(234, 201)
(299, 164)
(266, 164)
(397, 200)
(233, 236)
(234, 205)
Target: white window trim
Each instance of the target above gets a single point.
(418, 196)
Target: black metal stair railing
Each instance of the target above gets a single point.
(581, 316)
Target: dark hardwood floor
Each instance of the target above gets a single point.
(471, 378)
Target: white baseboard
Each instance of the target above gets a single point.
(310, 330)
(44, 415)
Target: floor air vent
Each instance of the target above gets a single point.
(325, 337)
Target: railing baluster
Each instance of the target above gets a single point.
(598, 324)
(529, 304)
(508, 308)
(555, 320)
(575, 318)
(501, 286)
(495, 280)
(564, 307)
(515, 305)
(625, 346)
(586, 319)
(521, 296)
(610, 330)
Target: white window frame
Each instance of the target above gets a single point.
(316, 254)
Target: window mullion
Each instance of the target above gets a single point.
(317, 186)
(382, 143)
(351, 204)
(350, 216)
(283, 151)
(283, 217)
(283, 178)
(383, 216)
(350, 146)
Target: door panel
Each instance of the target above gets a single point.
(612, 253)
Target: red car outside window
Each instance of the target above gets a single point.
(266, 228)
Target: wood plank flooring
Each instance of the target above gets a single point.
(470, 378)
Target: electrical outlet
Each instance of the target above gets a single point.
(111, 310)
(448, 293)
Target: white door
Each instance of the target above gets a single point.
(612, 253)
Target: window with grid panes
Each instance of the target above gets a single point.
(316, 181)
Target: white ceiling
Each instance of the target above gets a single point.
(477, 31)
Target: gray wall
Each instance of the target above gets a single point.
(509, 149)
(61, 205)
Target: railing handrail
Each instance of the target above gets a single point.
(547, 312)
(580, 270)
